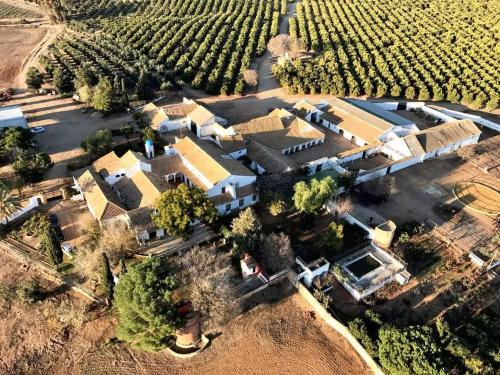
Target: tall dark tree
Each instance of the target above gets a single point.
(63, 81)
(108, 281)
(144, 88)
(34, 79)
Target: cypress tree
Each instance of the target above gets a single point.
(108, 282)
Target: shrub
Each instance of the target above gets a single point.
(29, 292)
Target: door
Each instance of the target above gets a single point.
(194, 128)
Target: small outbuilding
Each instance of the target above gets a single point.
(12, 116)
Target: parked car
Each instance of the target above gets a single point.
(67, 249)
(37, 130)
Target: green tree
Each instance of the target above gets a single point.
(31, 166)
(148, 134)
(334, 240)
(8, 203)
(144, 89)
(34, 79)
(246, 229)
(50, 245)
(178, 208)
(103, 97)
(63, 82)
(29, 291)
(413, 350)
(309, 198)
(15, 139)
(84, 76)
(410, 93)
(359, 330)
(108, 281)
(146, 312)
(99, 143)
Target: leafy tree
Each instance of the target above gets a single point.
(149, 134)
(178, 208)
(108, 281)
(144, 89)
(8, 203)
(309, 198)
(14, 139)
(63, 82)
(246, 229)
(277, 206)
(34, 79)
(31, 166)
(359, 330)
(413, 350)
(410, 93)
(277, 253)
(99, 143)
(334, 240)
(146, 312)
(84, 76)
(103, 97)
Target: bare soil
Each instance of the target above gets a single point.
(49, 337)
(283, 338)
(16, 44)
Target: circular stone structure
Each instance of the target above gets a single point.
(478, 196)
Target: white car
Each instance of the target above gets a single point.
(37, 130)
(67, 249)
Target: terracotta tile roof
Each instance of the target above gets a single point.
(100, 196)
(110, 162)
(330, 115)
(279, 130)
(200, 115)
(231, 143)
(207, 158)
(273, 161)
(445, 134)
(140, 219)
(414, 145)
(166, 164)
(241, 192)
(140, 190)
(357, 121)
(155, 115)
(181, 110)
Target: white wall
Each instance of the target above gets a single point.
(32, 204)
(241, 180)
(477, 119)
(247, 201)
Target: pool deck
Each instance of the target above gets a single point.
(389, 267)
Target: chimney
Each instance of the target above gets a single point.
(150, 150)
(169, 150)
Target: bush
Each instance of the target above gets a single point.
(359, 330)
(29, 292)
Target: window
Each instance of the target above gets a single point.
(254, 198)
(228, 207)
(241, 202)
(223, 189)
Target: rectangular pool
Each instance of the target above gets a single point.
(363, 265)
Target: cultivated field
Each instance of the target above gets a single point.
(12, 11)
(410, 48)
(207, 43)
(16, 45)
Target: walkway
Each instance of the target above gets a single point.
(169, 246)
(267, 82)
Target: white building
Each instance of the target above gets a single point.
(126, 188)
(12, 116)
(188, 114)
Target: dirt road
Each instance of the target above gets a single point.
(32, 58)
